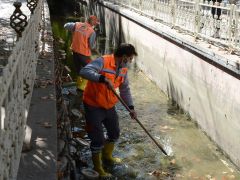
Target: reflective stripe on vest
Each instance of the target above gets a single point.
(80, 39)
(97, 94)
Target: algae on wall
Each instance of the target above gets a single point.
(61, 13)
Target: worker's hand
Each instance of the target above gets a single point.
(133, 114)
(96, 51)
(108, 83)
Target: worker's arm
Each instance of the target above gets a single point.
(92, 41)
(70, 26)
(125, 93)
(91, 71)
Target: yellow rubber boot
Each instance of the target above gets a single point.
(97, 162)
(107, 154)
(81, 83)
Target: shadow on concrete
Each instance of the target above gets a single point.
(38, 161)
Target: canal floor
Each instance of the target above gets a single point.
(192, 154)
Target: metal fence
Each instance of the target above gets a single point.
(218, 22)
(16, 85)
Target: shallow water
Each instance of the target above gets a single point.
(192, 154)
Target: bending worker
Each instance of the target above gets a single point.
(83, 41)
(104, 73)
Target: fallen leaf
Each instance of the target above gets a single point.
(231, 176)
(40, 139)
(47, 125)
(173, 161)
(166, 128)
(52, 98)
(44, 97)
(179, 175)
(208, 176)
(156, 173)
(165, 173)
(49, 81)
(43, 86)
(196, 177)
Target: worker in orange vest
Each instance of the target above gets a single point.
(104, 73)
(83, 41)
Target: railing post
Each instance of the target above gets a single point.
(196, 19)
(234, 26)
(140, 5)
(18, 20)
(154, 13)
(236, 12)
(32, 4)
(230, 26)
(173, 14)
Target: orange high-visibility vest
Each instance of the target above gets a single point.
(80, 39)
(97, 94)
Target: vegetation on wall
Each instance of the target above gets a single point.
(63, 39)
(62, 12)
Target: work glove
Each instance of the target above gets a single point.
(108, 83)
(133, 114)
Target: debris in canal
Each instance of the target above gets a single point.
(146, 131)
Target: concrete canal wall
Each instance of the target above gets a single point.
(201, 78)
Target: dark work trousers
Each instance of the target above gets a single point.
(217, 11)
(80, 61)
(96, 118)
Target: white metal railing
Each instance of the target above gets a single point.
(16, 85)
(217, 22)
